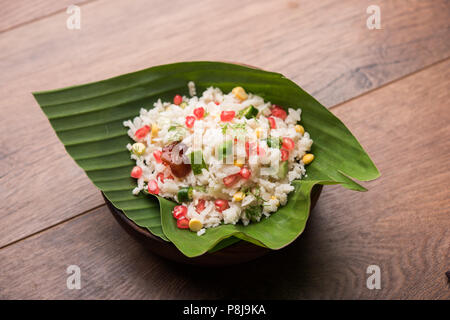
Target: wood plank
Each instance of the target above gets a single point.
(322, 45)
(19, 12)
(401, 224)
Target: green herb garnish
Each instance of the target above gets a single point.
(177, 133)
(200, 188)
(274, 142)
(253, 212)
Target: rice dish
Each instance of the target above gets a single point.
(225, 158)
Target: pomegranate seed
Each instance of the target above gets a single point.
(245, 172)
(221, 205)
(227, 115)
(279, 112)
(153, 187)
(142, 132)
(230, 180)
(160, 177)
(183, 223)
(177, 100)
(272, 123)
(179, 212)
(217, 103)
(284, 154)
(190, 121)
(200, 205)
(288, 143)
(199, 112)
(157, 155)
(136, 172)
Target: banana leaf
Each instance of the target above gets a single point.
(88, 121)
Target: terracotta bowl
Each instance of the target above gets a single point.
(239, 252)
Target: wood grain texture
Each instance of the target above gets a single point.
(19, 12)
(402, 225)
(324, 46)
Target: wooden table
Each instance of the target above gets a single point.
(390, 86)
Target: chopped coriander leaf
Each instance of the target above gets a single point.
(253, 212)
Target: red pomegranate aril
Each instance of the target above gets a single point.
(190, 121)
(221, 205)
(288, 143)
(183, 223)
(177, 100)
(200, 205)
(142, 132)
(245, 172)
(199, 112)
(226, 116)
(230, 180)
(157, 155)
(179, 212)
(217, 103)
(279, 112)
(272, 123)
(153, 187)
(160, 177)
(136, 172)
(284, 154)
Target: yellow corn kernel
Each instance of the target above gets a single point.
(308, 158)
(258, 132)
(299, 129)
(239, 163)
(240, 93)
(195, 225)
(183, 105)
(138, 148)
(239, 196)
(155, 130)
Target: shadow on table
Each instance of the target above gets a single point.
(297, 271)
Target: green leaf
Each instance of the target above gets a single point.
(275, 232)
(88, 120)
